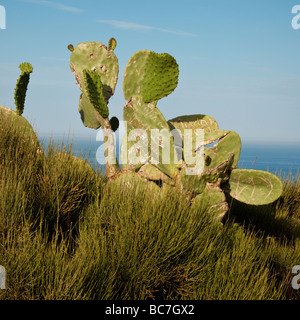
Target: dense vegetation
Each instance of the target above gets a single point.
(64, 234)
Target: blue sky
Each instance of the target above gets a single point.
(239, 60)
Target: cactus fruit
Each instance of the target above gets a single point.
(112, 44)
(71, 47)
(21, 87)
(114, 123)
(253, 187)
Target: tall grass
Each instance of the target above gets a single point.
(65, 235)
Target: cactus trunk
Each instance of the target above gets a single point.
(111, 161)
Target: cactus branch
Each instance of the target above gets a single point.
(111, 161)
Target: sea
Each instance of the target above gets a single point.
(280, 159)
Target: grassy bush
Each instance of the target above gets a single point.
(65, 235)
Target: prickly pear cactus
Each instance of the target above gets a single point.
(112, 44)
(89, 116)
(149, 77)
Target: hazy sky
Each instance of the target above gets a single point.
(239, 60)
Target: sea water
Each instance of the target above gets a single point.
(275, 158)
(280, 158)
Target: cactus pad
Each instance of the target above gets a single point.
(140, 115)
(228, 144)
(93, 85)
(88, 113)
(150, 75)
(131, 184)
(253, 187)
(95, 56)
(192, 183)
(26, 67)
(152, 173)
(213, 200)
(198, 121)
(160, 76)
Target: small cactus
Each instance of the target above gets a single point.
(16, 117)
(21, 87)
